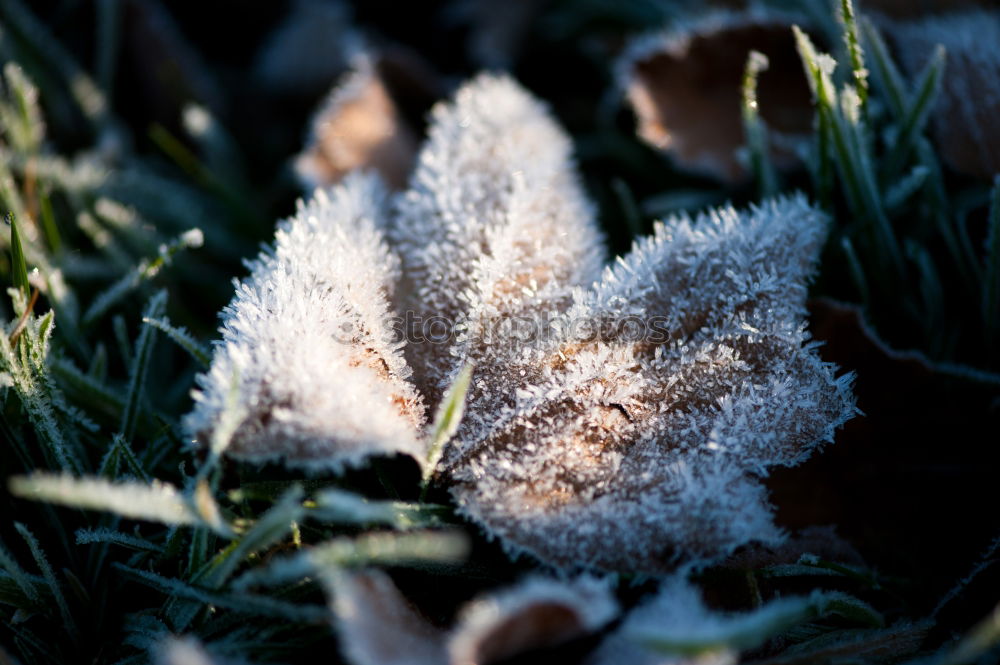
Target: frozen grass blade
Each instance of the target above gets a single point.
(748, 631)
(254, 605)
(917, 113)
(885, 70)
(755, 129)
(154, 502)
(371, 549)
(145, 270)
(20, 577)
(272, 526)
(340, 507)
(48, 575)
(858, 71)
(21, 119)
(137, 376)
(904, 188)
(183, 339)
(110, 536)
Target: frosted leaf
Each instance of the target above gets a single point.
(377, 626)
(494, 226)
(307, 342)
(358, 126)
(536, 613)
(964, 120)
(684, 86)
(533, 614)
(308, 51)
(641, 449)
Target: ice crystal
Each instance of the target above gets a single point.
(535, 613)
(307, 343)
(964, 121)
(494, 227)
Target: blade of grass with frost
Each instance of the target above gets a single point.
(48, 575)
(183, 339)
(21, 578)
(243, 603)
(154, 502)
(917, 113)
(885, 70)
(340, 507)
(145, 270)
(414, 548)
(904, 188)
(677, 621)
(817, 72)
(118, 451)
(140, 365)
(447, 419)
(859, 73)
(21, 118)
(105, 535)
(991, 276)
(271, 527)
(34, 38)
(755, 129)
(27, 365)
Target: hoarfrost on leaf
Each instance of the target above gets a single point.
(494, 227)
(308, 336)
(643, 451)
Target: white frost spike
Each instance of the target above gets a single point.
(308, 342)
(533, 614)
(495, 223)
(641, 450)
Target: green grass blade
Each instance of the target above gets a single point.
(854, 51)
(183, 339)
(917, 112)
(20, 577)
(153, 502)
(447, 419)
(19, 267)
(140, 365)
(272, 526)
(755, 129)
(112, 537)
(886, 73)
(47, 574)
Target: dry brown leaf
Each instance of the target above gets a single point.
(685, 89)
(358, 127)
